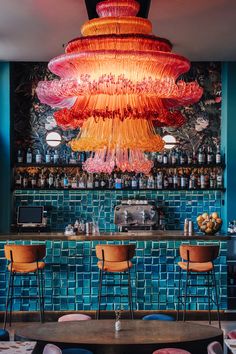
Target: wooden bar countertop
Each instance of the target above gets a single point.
(157, 235)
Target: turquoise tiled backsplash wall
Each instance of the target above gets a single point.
(71, 277)
(67, 206)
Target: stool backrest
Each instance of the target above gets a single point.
(215, 348)
(199, 254)
(115, 253)
(25, 253)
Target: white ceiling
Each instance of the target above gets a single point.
(35, 30)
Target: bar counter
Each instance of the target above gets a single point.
(157, 235)
(71, 273)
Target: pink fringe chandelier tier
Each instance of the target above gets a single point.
(118, 70)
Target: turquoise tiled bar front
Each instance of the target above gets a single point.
(71, 276)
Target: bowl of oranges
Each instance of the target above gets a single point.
(209, 223)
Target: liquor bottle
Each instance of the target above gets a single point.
(29, 156)
(66, 157)
(175, 180)
(127, 182)
(202, 180)
(207, 179)
(134, 182)
(72, 158)
(50, 180)
(55, 157)
(170, 180)
(159, 180)
(103, 181)
(166, 182)
(201, 156)
(182, 158)
(33, 181)
(74, 182)
(90, 181)
(218, 155)
(212, 180)
(81, 156)
(57, 181)
(18, 180)
(183, 181)
(42, 181)
(38, 157)
(110, 182)
(160, 158)
(48, 157)
(141, 181)
(165, 158)
(25, 180)
(192, 181)
(65, 181)
(219, 179)
(19, 156)
(209, 157)
(173, 157)
(189, 158)
(118, 182)
(96, 182)
(150, 182)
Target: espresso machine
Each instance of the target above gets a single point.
(138, 214)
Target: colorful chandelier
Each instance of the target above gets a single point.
(116, 83)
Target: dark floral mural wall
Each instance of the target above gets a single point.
(203, 118)
(33, 120)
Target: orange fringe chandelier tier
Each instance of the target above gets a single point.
(119, 71)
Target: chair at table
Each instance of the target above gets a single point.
(115, 259)
(171, 351)
(53, 349)
(25, 260)
(74, 317)
(158, 317)
(4, 335)
(198, 260)
(215, 348)
(231, 334)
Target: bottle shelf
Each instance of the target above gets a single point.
(122, 189)
(157, 166)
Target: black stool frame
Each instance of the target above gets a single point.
(210, 284)
(102, 272)
(10, 291)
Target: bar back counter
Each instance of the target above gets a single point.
(71, 273)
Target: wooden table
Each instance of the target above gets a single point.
(17, 347)
(136, 336)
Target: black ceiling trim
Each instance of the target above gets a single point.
(91, 8)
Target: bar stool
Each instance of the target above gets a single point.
(215, 348)
(198, 261)
(74, 317)
(115, 259)
(25, 261)
(171, 351)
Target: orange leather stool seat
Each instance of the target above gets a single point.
(198, 260)
(115, 259)
(25, 267)
(114, 266)
(197, 267)
(25, 260)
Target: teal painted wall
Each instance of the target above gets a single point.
(5, 171)
(229, 139)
